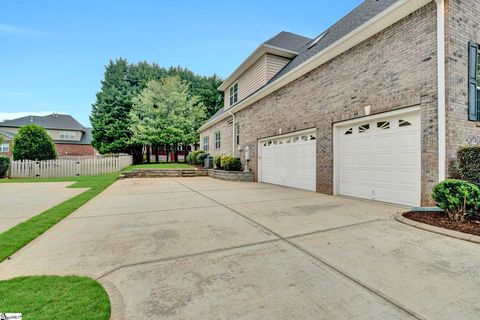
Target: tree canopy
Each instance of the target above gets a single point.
(32, 142)
(117, 129)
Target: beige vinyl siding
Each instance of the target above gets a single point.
(274, 65)
(256, 76)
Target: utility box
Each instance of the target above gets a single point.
(208, 164)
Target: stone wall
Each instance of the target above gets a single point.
(232, 175)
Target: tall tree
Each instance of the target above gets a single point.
(110, 112)
(165, 113)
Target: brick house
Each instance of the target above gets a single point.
(69, 136)
(374, 107)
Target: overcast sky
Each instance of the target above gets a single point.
(53, 53)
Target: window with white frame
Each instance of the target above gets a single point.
(68, 135)
(234, 94)
(4, 147)
(237, 133)
(217, 140)
(206, 143)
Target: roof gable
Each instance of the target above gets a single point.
(52, 121)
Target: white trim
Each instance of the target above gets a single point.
(388, 17)
(233, 132)
(336, 135)
(442, 118)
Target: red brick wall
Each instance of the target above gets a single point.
(64, 149)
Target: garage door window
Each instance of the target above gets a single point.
(383, 125)
(364, 128)
(404, 123)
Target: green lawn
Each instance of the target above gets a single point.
(54, 298)
(15, 238)
(47, 297)
(160, 166)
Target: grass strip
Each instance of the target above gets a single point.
(20, 235)
(54, 298)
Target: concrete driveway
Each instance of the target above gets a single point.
(21, 201)
(198, 248)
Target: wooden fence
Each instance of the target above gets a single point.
(59, 168)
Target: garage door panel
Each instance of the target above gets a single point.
(289, 161)
(382, 163)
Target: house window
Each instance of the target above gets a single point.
(234, 94)
(237, 133)
(4, 147)
(206, 143)
(473, 83)
(67, 135)
(217, 140)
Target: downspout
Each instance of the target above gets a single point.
(233, 132)
(441, 78)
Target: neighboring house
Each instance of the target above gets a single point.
(69, 136)
(6, 139)
(374, 107)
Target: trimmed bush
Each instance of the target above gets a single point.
(218, 162)
(32, 142)
(4, 166)
(459, 199)
(192, 156)
(231, 163)
(469, 163)
(200, 159)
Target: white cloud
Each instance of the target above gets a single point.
(6, 29)
(13, 115)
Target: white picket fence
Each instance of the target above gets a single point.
(60, 168)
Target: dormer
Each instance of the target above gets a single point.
(261, 66)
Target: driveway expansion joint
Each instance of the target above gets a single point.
(322, 261)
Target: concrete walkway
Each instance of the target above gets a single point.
(21, 201)
(198, 248)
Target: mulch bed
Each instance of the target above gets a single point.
(440, 219)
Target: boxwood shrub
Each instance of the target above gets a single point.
(192, 156)
(469, 163)
(218, 162)
(229, 163)
(4, 166)
(460, 199)
(200, 158)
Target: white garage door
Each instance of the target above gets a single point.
(289, 160)
(380, 159)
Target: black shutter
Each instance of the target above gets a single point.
(472, 82)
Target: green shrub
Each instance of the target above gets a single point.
(231, 163)
(4, 166)
(459, 199)
(218, 162)
(188, 158)
(200, 159)
(192, 156)
(32, 142)
(469, 163)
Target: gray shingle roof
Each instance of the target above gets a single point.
(358, 16)
(52, 121)
(363, 13)
(6, 134)
(289, 41)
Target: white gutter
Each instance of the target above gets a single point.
(388, 17)
(233, 132)
(441, 78)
